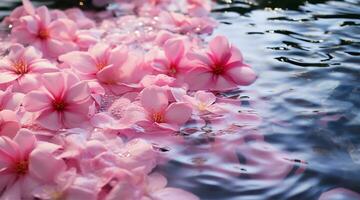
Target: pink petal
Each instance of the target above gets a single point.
(156, 182)
(44, 166)
(28, 7)
(32, 25)
(42, 66)
(154, 99)
(199, 79)
(8, 76)
(73, 119)
(207, 98)
(242, 75)
(100, 51)
(109, 75)
(9, 150)
(44, 15)
(50, 119)
(36, 101)
(339, 193)
(49, 81)
(173, 194)
(203, 60)
(118, 56)
(78, 93)
(26, 141)
(174, 50)
(21, 34)
(178, 113)
(12, 192)
(10, 124)
(223, 83)
(31, 54)
(220, 49)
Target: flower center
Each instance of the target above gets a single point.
(21, 167)
(59, 105)
(172, 70)
(100, 64)
(158, 117)
(218, 70)
(202, 106)
(20, 67)
(43, 34)
(57, 195)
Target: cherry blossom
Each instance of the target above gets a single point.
(65, 104)
(22, 68)
(220, 68)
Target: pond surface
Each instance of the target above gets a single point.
(307, 55)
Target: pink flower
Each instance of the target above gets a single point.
(79, 17)
(202, 102)
(22, 68)
(160, 113)
(221, 68)
(339, 193)
(26, 9)
(156, 189)
(39, 30)
(69, 185)
(64, 102)
(24, 164)
(131, 186)
(184, 24)
(115, 69)
(9, 123)
(10, 100)
(173, 63)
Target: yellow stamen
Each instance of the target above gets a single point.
(100, 64)
(43, 34)
(158, 117)
(20, 67)
(21, 167)
(218, 70)
(59, 105)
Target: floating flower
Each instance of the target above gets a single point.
(64, 102)
(114, 68)
(39, 30)
(69, 185)
(173, 61)
(9, 123)
(220, 68)
(10, 100)
(160, 112)
(22, 68)
(25, 164)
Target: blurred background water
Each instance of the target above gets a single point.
(307, 55)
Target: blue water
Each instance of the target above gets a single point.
(307, 55)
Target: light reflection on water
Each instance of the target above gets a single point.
(307, 96)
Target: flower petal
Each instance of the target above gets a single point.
(154, 99)
(220, 49)
(242, 75)
(80, 61)
(174, 50)
(78, 93)
(36, 101)
(50, 119)
(178, 113)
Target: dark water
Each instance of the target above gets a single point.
(307, 55)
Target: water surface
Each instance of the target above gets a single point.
(307, 56)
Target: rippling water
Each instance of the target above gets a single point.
(307, 54)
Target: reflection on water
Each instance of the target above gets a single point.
(308, 95)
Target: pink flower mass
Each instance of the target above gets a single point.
(85, 110)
